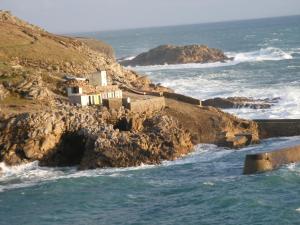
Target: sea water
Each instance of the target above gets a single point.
(205, 187)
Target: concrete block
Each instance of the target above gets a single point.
(262, 162)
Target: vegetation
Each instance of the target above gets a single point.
(98, 46)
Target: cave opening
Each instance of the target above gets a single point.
(69, 152)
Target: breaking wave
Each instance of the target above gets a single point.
(264, 54)
(31, 174)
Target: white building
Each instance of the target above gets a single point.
(94, 91)
(98, 79)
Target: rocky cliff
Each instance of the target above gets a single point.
(96, 137)
(36, 122)
(169, 54)
(91, 138)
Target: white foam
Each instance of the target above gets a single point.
(231, 83)
(287, 108)
(202, 153)
(128, 58)
(263, 54)
(209, 183)
(31, 174)
(184, 66)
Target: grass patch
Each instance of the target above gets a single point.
(15, 100)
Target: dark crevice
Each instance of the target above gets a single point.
(123, 124)
(69, 152)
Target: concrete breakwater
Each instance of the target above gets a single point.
(262, 162)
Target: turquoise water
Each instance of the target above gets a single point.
(266, 64)
(206, 187)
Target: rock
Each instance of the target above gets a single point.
(159, 139)
(33, 88)
(211, 125)
(66, 141)
(169, 54)
(240, 102)
(3, 92)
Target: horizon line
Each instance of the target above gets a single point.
(174, 25)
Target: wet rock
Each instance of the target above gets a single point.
(211, 125)
(240, 102)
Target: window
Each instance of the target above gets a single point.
(75, 90)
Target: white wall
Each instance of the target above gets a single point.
(103, 78)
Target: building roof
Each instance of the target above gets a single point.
(90, 89)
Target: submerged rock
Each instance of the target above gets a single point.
(169, 54)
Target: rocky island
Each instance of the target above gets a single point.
(37, 121)
(170, 54)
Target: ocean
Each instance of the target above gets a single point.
(205, 187)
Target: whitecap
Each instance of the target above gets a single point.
(184, 66)
(264, 54)
(32, 174)
(209, 183)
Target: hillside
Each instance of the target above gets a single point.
(33, 62)
(98, 46)
(38, 123)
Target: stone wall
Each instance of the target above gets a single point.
(278, 128)
(147, 105)
(182, 98)
(113, 103)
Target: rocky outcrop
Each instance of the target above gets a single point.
(211, 125)
(169, 54)
(32, 88)
(61, 135)
(96, 137)
(92, 138)
(3, 92)
(240, 102)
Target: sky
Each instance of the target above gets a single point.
(68, 16)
